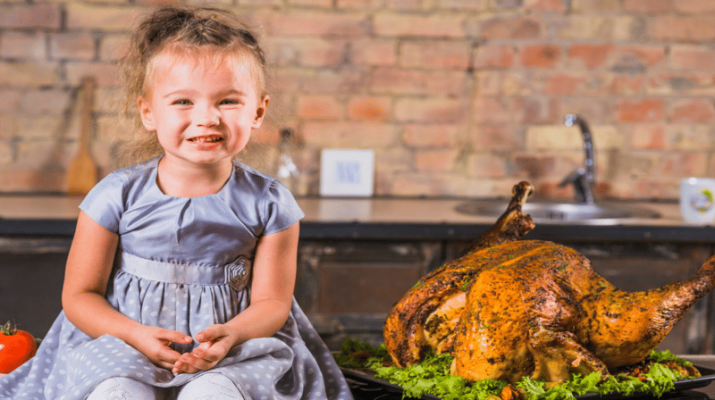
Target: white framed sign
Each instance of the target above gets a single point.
(347, 173)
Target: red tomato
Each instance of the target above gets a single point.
(16, 347)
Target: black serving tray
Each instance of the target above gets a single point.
(364, 383)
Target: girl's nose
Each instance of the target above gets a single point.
(208, 117)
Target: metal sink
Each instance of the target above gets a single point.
(598, 213)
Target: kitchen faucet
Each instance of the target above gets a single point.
(583, 179)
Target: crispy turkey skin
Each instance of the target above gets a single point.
(511, 308)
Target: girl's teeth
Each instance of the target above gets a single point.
(211, 139)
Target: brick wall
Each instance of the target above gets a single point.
(456, 97)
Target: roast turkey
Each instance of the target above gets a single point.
(511, 308)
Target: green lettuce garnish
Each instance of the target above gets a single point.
(432, 376)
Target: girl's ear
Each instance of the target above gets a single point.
(261, 111)
(146, 114)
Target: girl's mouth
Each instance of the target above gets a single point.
(206, 139)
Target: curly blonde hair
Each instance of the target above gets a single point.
(197, 31)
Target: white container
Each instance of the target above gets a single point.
(697, 200)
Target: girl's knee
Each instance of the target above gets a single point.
(119, 388)
(212, 386)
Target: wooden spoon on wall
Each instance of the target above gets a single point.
(82, 173)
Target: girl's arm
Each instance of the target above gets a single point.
(89, 265)
(273, 281)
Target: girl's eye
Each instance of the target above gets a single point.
(182, 102)
(229, 101)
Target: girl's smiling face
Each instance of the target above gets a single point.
(202, 106)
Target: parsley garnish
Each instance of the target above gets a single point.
(432, 376)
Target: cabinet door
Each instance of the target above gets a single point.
(347, 288)
(31, 277)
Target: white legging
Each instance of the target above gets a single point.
(205, 387)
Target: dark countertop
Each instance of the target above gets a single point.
(380, 219)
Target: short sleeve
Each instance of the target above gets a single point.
(105, 202)
(281, 209)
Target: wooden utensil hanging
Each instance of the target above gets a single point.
(82, 173)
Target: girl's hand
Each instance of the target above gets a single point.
(216, 341)
(154, 343)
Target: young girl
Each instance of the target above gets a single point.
(180, 276)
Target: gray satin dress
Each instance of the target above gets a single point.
(184, 264)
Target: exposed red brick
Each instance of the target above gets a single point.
(321, 52)
(694, 6)
(377, 52)
(692, 110)
(692, 57)
(112, 47)
(54, 102)
(11, 99)
(545, 5)
(315, 23)
(487, 165)
(21, 45)
(436, 160)
(30, 16)
(27, 74)
(493, 56)
(645, 55)
(73, 46)
(359, 135)
(405, 5)
(105, 73)
(359, 4)
(489, 82)
(8, 128)
(586, 6)
(435, 54)
(406, 81)
(685, 28)
(289, 80)
(509, 28)
(497, 137)
(532, 110)
(430, 110)
(313, 3)
(551, 189)
(267, 134)
(688, 137)
(463, 5)
(103, 17)
(32, 179)
(681, 84)
(648, 137)
(684, 164)
(433, 135)
(590, 55)
(491, 110)
(646, 110)
(400, 76)
(332, 81)
(369, 108)
(319, 107)
(416, 184)
(648, 6)
(535, 166)
(594, 108)
(411, 25)
(563, 84)
(624, 84)
(540, 55)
